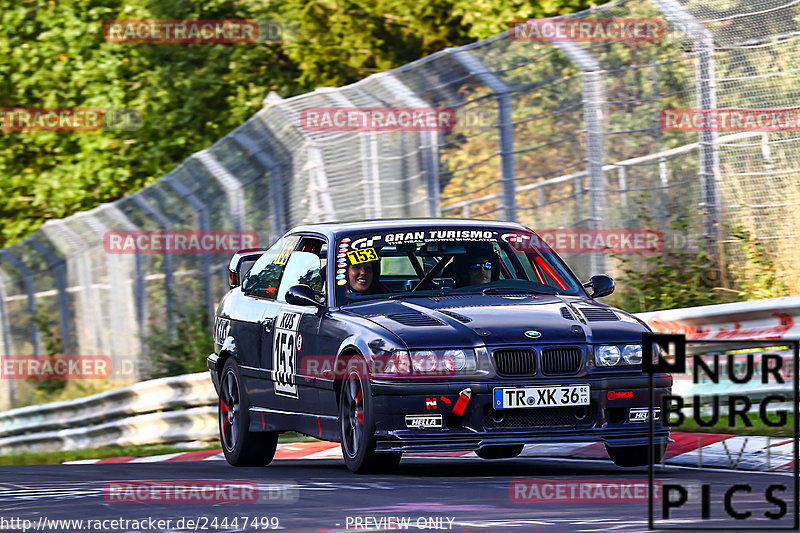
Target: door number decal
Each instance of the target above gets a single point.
(284, 354)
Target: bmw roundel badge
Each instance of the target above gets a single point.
(533, 334)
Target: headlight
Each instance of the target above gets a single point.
(607, 355)
(462, 359)
(632, 354)
(429, 362)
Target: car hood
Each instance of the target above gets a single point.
(472, 320)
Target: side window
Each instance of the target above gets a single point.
(264, 277)
(302, 268)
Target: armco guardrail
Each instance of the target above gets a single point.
(145, 413)
(142, 413)
(774, 319)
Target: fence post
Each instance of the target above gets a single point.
(593, 113)
(705, 74)
(429, 140)
(370, 165)
(202, 221)
(503, 94)
(5, 325)
(169, 281)
(233, 188)
(139, 289)
(27, 279)
(273, 169)
(59, 267)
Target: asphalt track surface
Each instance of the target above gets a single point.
(432, 494)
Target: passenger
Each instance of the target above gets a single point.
(362, 278)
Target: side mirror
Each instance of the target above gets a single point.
(301, 295)
(601, 285)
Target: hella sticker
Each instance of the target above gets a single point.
(424, 421)
(641, 414)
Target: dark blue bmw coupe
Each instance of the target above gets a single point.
(395, 336)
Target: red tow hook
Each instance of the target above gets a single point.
(463, 400)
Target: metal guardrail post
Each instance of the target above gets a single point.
(202, 220)
(59, 267)
(27, 278)
(593, 112)
(273, 169)
(705, 74)
(169, 279)
(233, 188)
(429, 140)
(503, 94)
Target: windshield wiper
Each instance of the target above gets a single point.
(400, 295)
(511, 290)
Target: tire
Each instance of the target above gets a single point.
(357, 425)
(241, 446)
(629, 456)
(500, 452)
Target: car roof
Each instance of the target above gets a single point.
(390, 224)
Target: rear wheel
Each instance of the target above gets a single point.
(357, 425)
(241, 446)
(500, 452)
(635, 455)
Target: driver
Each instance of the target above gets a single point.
(475, 268)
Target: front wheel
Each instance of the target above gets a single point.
(500, 452)
(241, 446)
(635, 455)
(357, 425)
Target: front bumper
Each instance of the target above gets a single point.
(606, 419)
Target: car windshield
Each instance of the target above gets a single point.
(422, 263)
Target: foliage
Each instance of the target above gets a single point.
(53, 54)
(183, 347)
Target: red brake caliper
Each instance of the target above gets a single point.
(359, 412)
(225, 421)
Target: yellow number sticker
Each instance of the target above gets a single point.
(286, 250)
(365, 255)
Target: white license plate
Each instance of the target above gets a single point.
(528, 397)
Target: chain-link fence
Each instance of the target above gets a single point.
(552, 133)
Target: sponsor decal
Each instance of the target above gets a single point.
(222, 327)
(364, 255)
(642, 414)
(424, 421)
(430, 403)
(341, 282)
(615, 395)
(286, 250)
